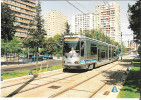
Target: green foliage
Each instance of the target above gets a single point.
(135, 20)
(131, 86)
(12, 46)
(26, 72)
(139, 50)
(97, 34)
(67, 30)
(24, 51)
(36, 33)
(89, 35)
(50, 47)
(7, 23)
(54, 45)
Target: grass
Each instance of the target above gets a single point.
(26, 72)
(131, 86)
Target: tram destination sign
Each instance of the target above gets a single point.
(71, 39)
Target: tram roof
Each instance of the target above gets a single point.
(80, 36)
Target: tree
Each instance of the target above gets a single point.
(36, 33)
(54, 45)
(88, 35)
(67, 29)
(50, 45)
(134, 13)
(97, 34)
(135, 20)
(10, 46)
(58, 41)
(7, 23)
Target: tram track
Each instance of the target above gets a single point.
(73, 86)
(115, 76)
(18, 92)
(30, 78)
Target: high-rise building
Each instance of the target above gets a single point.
(55, 23)
(24, 12)
(82, 22)
(107, 18)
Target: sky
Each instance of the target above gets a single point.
(88, 7)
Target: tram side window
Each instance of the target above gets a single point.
(103, 54)
(82, 48)
(114, 53)
(93, 49)
(109, 53)
(106, 53)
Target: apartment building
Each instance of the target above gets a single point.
(82, 22)
(55, 23)
(24, 11)
(107, 18)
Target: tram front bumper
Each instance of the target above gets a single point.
(75, 66)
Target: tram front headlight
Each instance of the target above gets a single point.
(77, 62)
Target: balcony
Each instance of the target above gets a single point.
(20, 35)
(24, 17)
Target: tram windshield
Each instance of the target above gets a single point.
(71, 45)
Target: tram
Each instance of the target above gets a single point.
(81, 52)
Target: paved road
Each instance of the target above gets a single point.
(15, 68)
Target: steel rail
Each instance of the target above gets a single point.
(29, 78)
(65, 90)
(18, 92)
(105, 84)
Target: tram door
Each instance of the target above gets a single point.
(98, 54)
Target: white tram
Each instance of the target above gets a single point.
(82, 52)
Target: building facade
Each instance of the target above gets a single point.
(55, 23)
(24, 12)
(107, 18)
(82, 22)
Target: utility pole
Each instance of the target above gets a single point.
(121, 45)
